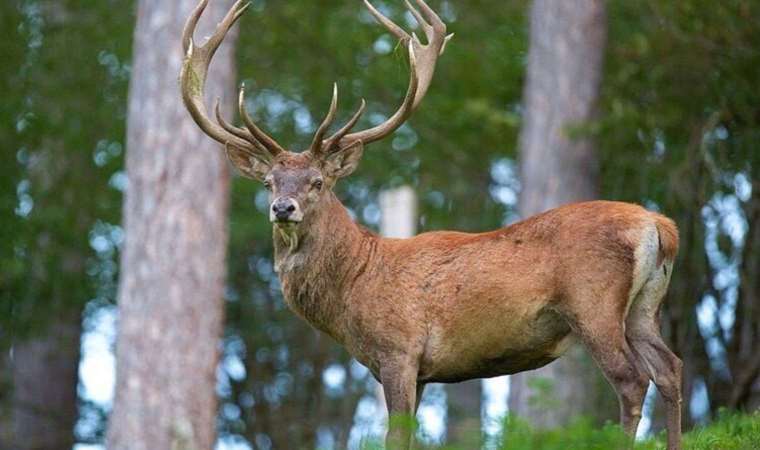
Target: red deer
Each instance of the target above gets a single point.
(447, 306)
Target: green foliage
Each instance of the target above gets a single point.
(679, 94)
(66, 90)
(12, 52)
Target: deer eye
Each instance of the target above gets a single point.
(268, 184)
(317, 184)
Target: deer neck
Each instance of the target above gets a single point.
(319, 261)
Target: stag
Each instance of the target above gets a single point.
(448, 306)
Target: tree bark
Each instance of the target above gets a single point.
(558, 165)
(744, 359)
(173, 265)
(44, 396)
(463, 402)
(6, 419)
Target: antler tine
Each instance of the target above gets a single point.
(213, 42)
(422, 60)
(417, 16)
(387, 23)
(191, 24)
(239, 132)
(433, 18)
(329, 144)
(271, 145)
(232, 16)
(398, 118)
(316, 143)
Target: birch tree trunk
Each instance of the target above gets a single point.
(398, 219)
(567, 41)
(173, 265)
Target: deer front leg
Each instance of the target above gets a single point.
(399, 380)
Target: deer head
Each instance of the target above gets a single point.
(299, 181)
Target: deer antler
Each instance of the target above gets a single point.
(422, 59)
(193, 82)
(252, 140)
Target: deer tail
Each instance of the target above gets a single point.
(667, 232)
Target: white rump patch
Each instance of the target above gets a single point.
(644, 257)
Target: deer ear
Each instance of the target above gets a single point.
(343, 162)
(248, 164)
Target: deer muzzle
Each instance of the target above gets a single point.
(285, 210)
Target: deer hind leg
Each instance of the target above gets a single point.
(661, 365)
(630, 382)
(619, 365)
(603, 334)
(631, 388)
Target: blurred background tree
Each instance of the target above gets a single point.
(558, 165)
(677, 130)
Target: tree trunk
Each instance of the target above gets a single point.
(744, 356)
(6, 390)
(463, 413)
(45, 372)
(558, 165)
(173, 265)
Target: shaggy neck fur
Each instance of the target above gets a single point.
(319, 261)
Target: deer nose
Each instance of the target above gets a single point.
(284, 208)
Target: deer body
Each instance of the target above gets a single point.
(448, 306)
(461, 305)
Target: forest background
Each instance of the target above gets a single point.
(675, 127)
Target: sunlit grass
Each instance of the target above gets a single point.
(730, 431)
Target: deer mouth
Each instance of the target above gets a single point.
(286, 224)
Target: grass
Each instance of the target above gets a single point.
(730, 431)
